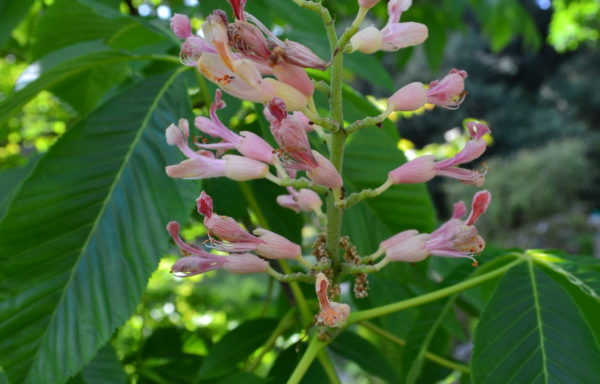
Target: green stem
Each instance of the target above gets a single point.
(354, 269)
(367, 122)
(351, 31)
(429, 297)
(290, 277)
(328, 367)
(268, 297)
(428, 355)
(296, 183)
(314, 347)
(364, 194)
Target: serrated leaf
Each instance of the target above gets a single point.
(366, 355)
(104, 368)
(67, 22)
(86, 230)
(235, 346)
(532, 332)
(58, 74)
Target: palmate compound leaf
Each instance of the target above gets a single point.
(533, 332)
(86, 230)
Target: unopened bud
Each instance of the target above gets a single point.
(401, 35)
(419, 170)
(245, 263)
(240, 168)
(308, 200)
(410, 249)
(408, 98)
(325, 173)
(275, 246)
(367, 41)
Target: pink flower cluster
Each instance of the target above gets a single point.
(247, 61)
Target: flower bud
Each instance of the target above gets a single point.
(367, 41)
(367, 3)
(240, 168)
(411, 249)
(401, 35)
(419, 170)
(397, 238)
(275, 246)
(408, 98)
(325, 173)
(197, 168)
(308, 200)
(245, 263)
(181, 26)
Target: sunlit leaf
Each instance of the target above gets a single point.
(235, 346)
(532, 332)
(86, 230)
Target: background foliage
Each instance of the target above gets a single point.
(88, 87)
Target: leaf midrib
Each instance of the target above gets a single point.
(538, 318)
(117, 178)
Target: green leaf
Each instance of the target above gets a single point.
(532, 332)
(3, 378)
(59, 73)
(86, 230)
(286, 362)
(580, 276)
(67, 22)
(10, 182)
(11, 14)
(105, 368)
(84, 89)
(421, 336)
(366, 355)
(242, 378)
(235, 346)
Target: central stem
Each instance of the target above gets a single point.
(336, 156)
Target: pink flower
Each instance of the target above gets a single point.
(199, 261)
(234, 238)
(401, 35)
(408, 98)
(458, 238)
(394, 36)
(455, 238)
(290, 134)
(203, 165)
(324, 173)
(450, 91)
(274, 246)
(424, 168)
(304, 200)
(331, 314)
(246, 143)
